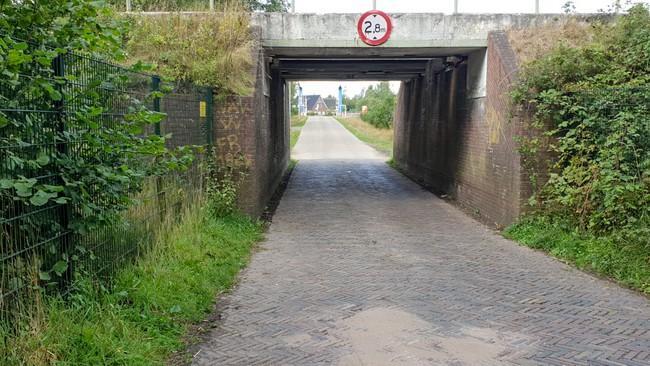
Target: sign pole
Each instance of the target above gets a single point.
(455, 6)
(374, 4)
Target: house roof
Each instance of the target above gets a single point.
(311, 100)
(331, 103)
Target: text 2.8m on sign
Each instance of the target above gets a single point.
(374, 27)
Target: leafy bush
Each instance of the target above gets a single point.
(593, 102)
(211, 50)
(100, 163)
(74, 148)
(381, 105)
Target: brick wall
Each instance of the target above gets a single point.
(460, 146)
(254, 126)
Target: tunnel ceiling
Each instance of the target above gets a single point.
(359, 68)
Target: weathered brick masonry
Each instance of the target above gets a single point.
(254, 127)
(461, 146)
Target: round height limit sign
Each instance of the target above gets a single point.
(374, 27)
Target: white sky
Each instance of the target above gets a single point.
(446, 6)
(351, 88)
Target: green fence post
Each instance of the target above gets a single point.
(155, 87)
(160, 192)
(62, 148)
(209, 121)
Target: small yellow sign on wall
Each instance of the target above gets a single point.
(202, 109)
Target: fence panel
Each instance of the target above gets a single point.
(34, 239)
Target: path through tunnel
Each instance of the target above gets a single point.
(361, 266)
(449, 133)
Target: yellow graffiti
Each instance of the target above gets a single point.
(494, 121)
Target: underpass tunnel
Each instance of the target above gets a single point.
(439, 88)
(452, 127)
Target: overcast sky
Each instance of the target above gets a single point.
(427, 6)
(446, 6)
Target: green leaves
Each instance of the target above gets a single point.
(41, 197)
(42, 159)
(60, 267)
(23, 186)
(592, 116)
(16, 57)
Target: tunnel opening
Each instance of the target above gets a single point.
(451, 133)
(441, 89)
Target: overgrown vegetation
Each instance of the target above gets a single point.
(606, 255)
(63, 153)
(379, 138)
(532, 43)
(224, 180)
(210, 49)
(93, 154)
(591, 106)
(200, 5)
(380, 102)
(143, 316)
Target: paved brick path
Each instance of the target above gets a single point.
(363, 267)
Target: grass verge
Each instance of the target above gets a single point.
(297, 123)
(627, 263)
(379, 138)
(142, 318)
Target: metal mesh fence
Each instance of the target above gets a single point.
(33, 238)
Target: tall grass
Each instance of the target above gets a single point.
(379, 138)
(212, 49)
(141, 316)
(532, 43)
(297, 123)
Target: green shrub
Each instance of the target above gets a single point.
(593, 104)
(381, 105)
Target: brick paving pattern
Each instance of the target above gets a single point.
(361, 266)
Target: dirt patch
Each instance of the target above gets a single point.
(383, 336)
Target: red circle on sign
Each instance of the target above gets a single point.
(362, 34)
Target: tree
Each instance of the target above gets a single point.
(268, 5)
(380, 101)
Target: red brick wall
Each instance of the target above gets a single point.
(464, 147)
(254, 126)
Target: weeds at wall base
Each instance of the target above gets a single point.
(627, 262)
